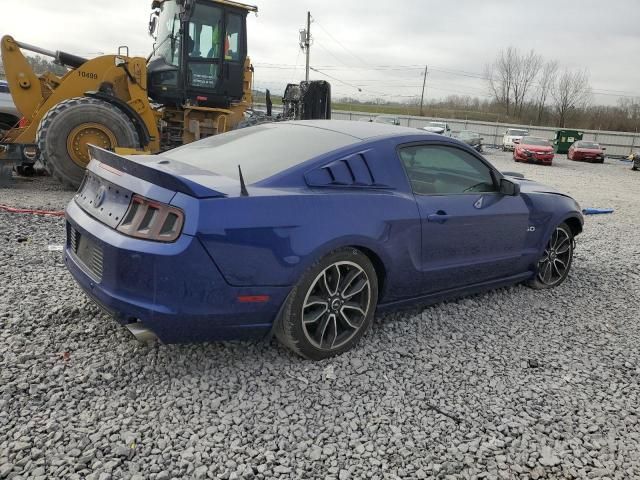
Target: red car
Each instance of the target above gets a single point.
(586, 151)
(533, 150)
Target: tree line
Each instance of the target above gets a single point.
(524, 88)
(524, 80)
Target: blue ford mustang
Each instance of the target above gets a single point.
(306, 229)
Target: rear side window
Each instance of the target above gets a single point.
(440, 170)
(261, 151)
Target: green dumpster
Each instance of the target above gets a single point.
(565, 138)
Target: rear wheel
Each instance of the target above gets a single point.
(554, 265)
(331, 307)
(66, 131)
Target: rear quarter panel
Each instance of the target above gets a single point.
(271, 238)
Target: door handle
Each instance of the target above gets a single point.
(438, 217)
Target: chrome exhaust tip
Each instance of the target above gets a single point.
(142, 333)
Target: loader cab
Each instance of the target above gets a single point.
(199, 53)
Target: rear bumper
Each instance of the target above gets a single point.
(174, 289)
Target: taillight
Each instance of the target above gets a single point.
(152, 220)
(23, 123)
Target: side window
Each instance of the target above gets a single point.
(440, 170)
(232, 42)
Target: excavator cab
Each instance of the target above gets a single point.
(199, 53)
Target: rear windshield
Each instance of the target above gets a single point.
(261, 151)
(516, 133)
(588, 145)
(535, 141)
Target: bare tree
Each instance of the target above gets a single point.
(501, 75)
(570, 91)
(546, 80)
(526, 70)
(511, 77)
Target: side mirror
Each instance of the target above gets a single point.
(516, 141)
(603, 148)
(507, 187)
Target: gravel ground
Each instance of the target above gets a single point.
(515, 383)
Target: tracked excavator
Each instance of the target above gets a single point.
(197, 82)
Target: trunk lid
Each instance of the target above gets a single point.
(163, 172)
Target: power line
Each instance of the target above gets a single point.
(339, 43)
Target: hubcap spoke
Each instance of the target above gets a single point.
(316, 302)
(348, 281)
(332, 279)
(349, 311)
(547, 272)
(345, 318)
(322, 329)
(560, 243)
(355, 288)
(559, 271)
(314, 316)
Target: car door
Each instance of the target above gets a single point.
(471, 233)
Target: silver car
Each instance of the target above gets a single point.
(9, 115)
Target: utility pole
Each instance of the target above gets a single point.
(305, 43)
(424, 83)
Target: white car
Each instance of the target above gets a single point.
(441, 128)
(510, 135)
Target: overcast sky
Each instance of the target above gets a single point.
(375, 48)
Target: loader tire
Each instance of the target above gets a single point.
(67, 128)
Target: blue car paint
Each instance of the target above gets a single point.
(234, 245)
(175, 289)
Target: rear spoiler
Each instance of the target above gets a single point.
(168, 174)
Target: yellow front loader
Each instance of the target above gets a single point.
(196, 83)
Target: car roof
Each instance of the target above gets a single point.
(360, 130)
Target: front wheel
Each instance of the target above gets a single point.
(331, 307)
(554, 265)
(67, 129)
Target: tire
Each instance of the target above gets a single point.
(561, 236)
(322, 282)
(65, 119)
